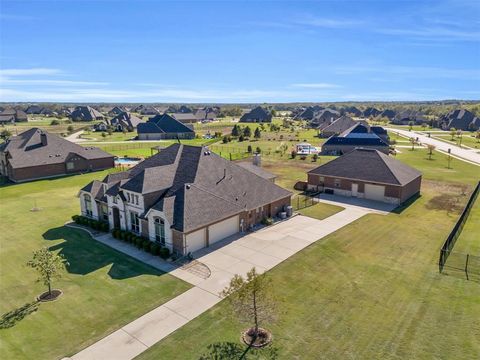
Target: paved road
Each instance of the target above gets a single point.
(263, 249)
(471, 155)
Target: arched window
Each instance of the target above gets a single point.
(88, 205)
(159, 230)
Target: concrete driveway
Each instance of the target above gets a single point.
(369, 206)
(262, 249)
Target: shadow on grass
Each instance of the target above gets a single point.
(231, 350)
(86, 255)
(10, 318)
(406, 204)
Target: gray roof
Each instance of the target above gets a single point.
(339, 125)
(257, 170)
(86, 113)
(368, 165)
(257, 114)
(195, 187)
(190, 117)
(163, 124)
(460, 119)
(126, 119)
(26, 149)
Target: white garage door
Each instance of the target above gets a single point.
(375, 192)
(196, 240)
(223, 229)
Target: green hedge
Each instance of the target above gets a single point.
(141, 243)
(94, 224)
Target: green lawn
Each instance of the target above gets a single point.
(320, 211)
(103, 289)
(469, 240)
(467, 139)
(370, 290)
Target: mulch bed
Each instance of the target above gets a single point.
(50, 297)
(264, 337)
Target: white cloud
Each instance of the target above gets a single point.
(47, 82)
(316, 85)
(331, 23)
(31, 71)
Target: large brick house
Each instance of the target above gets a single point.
(257, 115)
(37, 154)
(184, 197)
(162, 127)
(368, 174)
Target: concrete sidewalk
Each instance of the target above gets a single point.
(263, 249)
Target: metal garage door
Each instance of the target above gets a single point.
(223, 229)
(375, 192)
(196, 240)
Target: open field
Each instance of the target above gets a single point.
(370, 290)
(469, 240)
(103, 289)
(45, 125)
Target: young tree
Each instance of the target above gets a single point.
(241, 138)
(48, 265)
(70, 129)
(453, 132)
(412, 141)
(5, 134)
(459, 136)
(236, 130)
(249, 149)
(251, 299)
(410, 125)
(424, 126)
(54, 122)
(225, 139)
(430, 148)
(257, 134)
(247, 132)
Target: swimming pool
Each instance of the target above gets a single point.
(127, 160)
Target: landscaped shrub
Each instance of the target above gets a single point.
(154, 248)
(146, 245)
(138, 242)
(164, 253)
(116, 233)
(267, 221)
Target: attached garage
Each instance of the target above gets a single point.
(223, 229)
(196, 240)
(375, 192)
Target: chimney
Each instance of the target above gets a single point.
(43, 139)
(257, 160)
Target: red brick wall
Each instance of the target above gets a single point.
(411, 189)
(177, 241)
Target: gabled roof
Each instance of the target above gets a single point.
(371, 111)
(26, 149)
(460, 119)
(325, 115)
(126, 119)
(163, 124)
(86, 113)
(357, 135)
(339, 125)
(195, 187)
(257, 114)
(257, 170)
(368, 165)
(190, 117)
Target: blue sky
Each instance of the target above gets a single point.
(250, 51)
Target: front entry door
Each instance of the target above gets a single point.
(116, 218)
(354, 189)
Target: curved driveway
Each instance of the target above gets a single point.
(472, 155)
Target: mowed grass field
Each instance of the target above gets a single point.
(469, 240)
(103, 289)
(368, 291)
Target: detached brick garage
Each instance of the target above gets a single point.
(368, 174)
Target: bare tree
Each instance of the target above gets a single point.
(413, 141)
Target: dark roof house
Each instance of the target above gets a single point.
(164, 127)
(37, 154)
(185, 198)
(125, 121)
(116, 110)
(371, 112)
(185, 118)
(257, 115)
(337, 126)
(407, 116)
(358, 136)
(11, 115)
(324, 116)
(390, 114)
(86, 113)
(368, 174)
(353, 111)
(460, 119)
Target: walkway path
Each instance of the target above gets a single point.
(263, 249)
(471, 155)
(75, 137)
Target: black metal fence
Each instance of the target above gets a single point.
(460, 261)
(302, 201)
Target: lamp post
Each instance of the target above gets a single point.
(449, 157)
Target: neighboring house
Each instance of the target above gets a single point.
(185, 118)
(86, 113)
(407, 116)
(460, 120)
(117, 110)
(324, 116)
(337, 127)
(137, 109)
(149, 110)
(206, 114)
(353, 111)
(185, 198)
(357, 136)
(34, 109)
(371, 112)
(185, 110)
(37, 154)
(367, 174)
(11, 115)
(308, 113)
(125, 121)
(162, 127)
(389, 114)
(257, 115)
